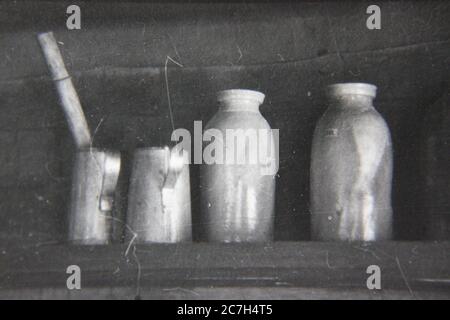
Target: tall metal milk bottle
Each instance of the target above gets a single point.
(240, 160)
(351, 168)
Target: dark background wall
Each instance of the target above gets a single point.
(288, 51)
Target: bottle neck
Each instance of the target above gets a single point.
(239, 105)
(351, 101)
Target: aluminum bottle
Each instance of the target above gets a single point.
(159, 203)
(94, 180)
(351, 168)
(238, 182)
(435, 165)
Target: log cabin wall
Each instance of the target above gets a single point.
(290, 52)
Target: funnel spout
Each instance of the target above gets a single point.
(68, 96)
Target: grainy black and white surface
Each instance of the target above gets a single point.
(287, 50)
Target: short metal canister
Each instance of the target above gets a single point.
(94, 180)
(159, 204)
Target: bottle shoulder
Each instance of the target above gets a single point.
(237, 120)
(369, 116)
(360, 124)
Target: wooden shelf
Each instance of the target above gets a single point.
(280, 269)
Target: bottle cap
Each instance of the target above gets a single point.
(339, 89)
(241, 94)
